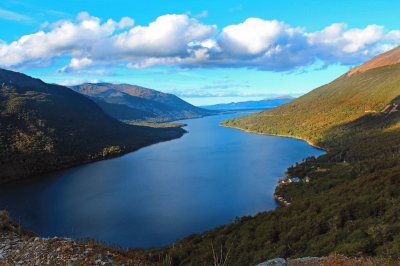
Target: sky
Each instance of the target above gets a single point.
(205, 52)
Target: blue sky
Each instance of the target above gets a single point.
(203, 51)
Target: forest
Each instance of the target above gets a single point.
(49, 127)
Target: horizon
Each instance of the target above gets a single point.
(199, 52)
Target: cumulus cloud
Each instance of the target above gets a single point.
(336, 43)
(169, 35)
(181, 40)
(73, 82)
(64, 38)
(255, 37)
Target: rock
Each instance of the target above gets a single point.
(274, 262)
(53, 254)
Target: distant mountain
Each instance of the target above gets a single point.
(134, 103)
(251, 105)
(46, 127)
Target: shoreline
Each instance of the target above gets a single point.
(95, 158)
(280, 199)
(309, 142)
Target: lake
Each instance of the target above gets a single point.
(160, 193)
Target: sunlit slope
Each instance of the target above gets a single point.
(315, 114)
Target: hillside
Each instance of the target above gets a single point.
(315, 115)
(47, 127)
(134, 103)
(251, 105)
(351, 203)
(389, 58)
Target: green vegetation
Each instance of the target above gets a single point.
(321, 115)
(46, 127)
(130, 103)
(351, 205)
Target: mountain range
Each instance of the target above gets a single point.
(134, 103)
(45, 127)
(251, 105)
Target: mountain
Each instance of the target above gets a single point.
(251, 105)
(348, 200)
(324, 111)
(46, 127)
(391, 57)
(134, 103)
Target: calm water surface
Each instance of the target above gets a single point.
(160, 193)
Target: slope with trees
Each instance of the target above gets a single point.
(47, 127)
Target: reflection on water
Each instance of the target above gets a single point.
(160, 193)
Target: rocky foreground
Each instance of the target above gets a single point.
(21, 247)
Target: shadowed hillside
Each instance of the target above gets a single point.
(47, 127)
(134, 103)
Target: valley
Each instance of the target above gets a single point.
(159, 193)
(224, 133)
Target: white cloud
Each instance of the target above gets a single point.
(73, 82)
(181, 40)
(255, 36)
(126, 22)
(77, 63)
(64, 38)
(336, 43)
(168, 35)
(202, 14)
(11, 15)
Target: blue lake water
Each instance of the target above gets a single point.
(160, 193)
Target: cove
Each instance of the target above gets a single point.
(164, 192)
